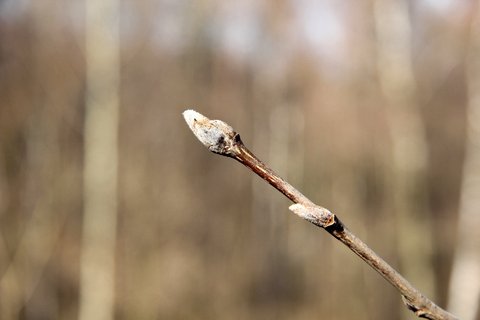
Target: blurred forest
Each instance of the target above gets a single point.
(110, 207)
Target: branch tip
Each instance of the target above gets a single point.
(216, 135)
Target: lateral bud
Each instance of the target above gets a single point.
(317, 215)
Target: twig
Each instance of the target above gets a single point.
(220, 138)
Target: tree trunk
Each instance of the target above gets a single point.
(464, 294)
(100, 161)
(409, 146)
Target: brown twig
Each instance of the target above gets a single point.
(220, 138)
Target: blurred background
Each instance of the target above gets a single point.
(110, 207)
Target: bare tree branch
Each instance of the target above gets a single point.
(220, 138)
